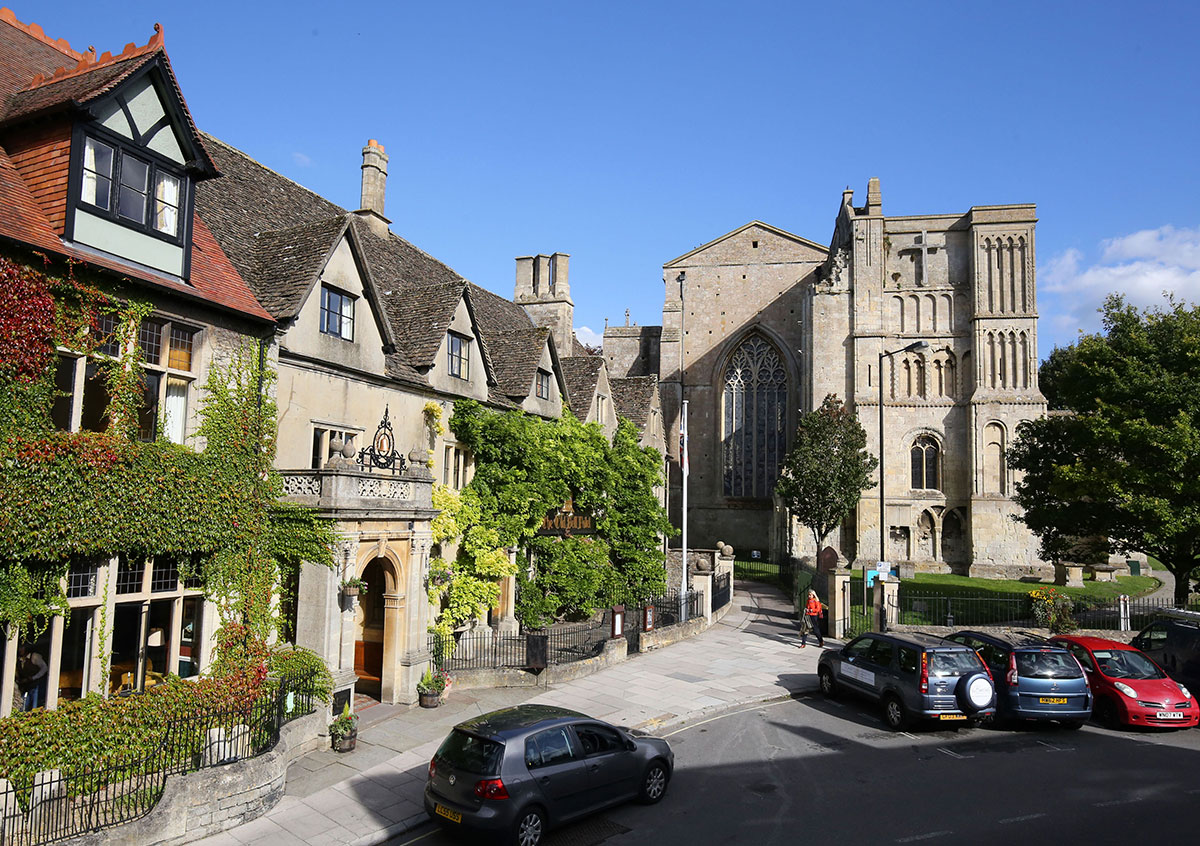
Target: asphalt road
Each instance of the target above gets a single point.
(810, 770)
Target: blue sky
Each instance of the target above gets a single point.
(627, 133)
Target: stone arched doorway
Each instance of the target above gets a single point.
(377, 626)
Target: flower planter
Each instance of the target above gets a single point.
(350, 591)
(429, 700)
(345, 742)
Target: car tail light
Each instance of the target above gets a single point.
(491, 788)
(1012, 668)
(432, 767)
(924, 672)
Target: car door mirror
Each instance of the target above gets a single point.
(630, 745)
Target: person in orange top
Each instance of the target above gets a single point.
(813, 611)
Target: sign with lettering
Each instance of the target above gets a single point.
(565, 522)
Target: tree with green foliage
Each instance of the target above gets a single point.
(827, 470)
(526, 467)
(1123, 459)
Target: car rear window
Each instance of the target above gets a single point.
(1125, 664)
(947, 663)
(471, 754)
(1047, 664)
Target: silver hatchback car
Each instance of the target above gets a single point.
(518, 771)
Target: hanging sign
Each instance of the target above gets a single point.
(565, 522)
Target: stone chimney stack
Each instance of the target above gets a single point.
(874, 196)
(543, 288)
(374, 186)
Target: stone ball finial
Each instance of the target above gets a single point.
(727, 551)
(348, 450)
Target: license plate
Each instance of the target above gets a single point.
(952, 716)
(1170, 715)
(1052, 700)
(443, 811)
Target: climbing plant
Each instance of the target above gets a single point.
(526, 467)
(79, 496)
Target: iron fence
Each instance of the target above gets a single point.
(722, 591)
(961, 609)
(55, 805)
(477, 650)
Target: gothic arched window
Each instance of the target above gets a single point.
(925, 453)
(754, 419)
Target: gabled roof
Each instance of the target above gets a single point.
(581, 373)
(36, 90)
(517, 355)
(633, 396)
(782, 233)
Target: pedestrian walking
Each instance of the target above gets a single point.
(813, 612)
(31, 677)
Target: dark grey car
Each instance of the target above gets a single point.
(518, 771)
(914, 677)
(1173, 643)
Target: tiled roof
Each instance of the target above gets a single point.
(289, 261)
(581, 372)
(633, 396)
(78, 89)
(578, 348)
(516, 356)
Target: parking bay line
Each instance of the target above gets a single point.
(954, 754)
(915, 837)
(1022, 818)
(1112, 802)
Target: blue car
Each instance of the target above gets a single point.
(1035, 679)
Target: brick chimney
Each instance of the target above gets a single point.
(374, 186)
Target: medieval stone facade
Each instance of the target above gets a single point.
(933, 315)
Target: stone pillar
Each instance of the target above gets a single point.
(837, 591)
(316, 598)
(703, 582)
(392, 633)
(8, 685)
(507, 623)
(885, 607)
(54, 664)
(416, 621)
(175, 634)
(102, 631)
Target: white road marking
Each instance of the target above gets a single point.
(422, 837)
(1111, 802)
(928, 836)
(908, 735)
(729, 714)
(1197, 790)
(1050, 746)
(954, 754)
(1021, 818)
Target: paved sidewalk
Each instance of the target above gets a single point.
(374, 793)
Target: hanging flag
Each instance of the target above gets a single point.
(683, 445)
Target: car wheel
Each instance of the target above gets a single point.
(654, 783)
(829, 687)
(1071, 725)
(1106, 714)
(894, 713)
(529, 828)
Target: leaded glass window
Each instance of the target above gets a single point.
(754, 419)
(925, 453)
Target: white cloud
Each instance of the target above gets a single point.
(589, 337)
(1142, 266)
(302, 160)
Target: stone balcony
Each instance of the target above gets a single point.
(343, 490)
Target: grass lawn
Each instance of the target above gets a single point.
(950, 585)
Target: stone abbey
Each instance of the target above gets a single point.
(759, 325)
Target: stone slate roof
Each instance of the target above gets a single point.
(633, 396)
(517, 355)
(581, 372)
(288, 261)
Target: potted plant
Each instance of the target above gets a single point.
(432, 686)
(354, 586)
(343, 731)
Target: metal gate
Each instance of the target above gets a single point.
(722, 591)
(856, 607)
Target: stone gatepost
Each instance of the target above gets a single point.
(837, 591)
(703, 582)
(885, 605)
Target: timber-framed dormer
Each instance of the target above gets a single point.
(133, 167)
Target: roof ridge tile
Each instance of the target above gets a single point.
(35, 31)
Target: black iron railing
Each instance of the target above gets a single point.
(60, 804)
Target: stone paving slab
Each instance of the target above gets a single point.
(366, 797)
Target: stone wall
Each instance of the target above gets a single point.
(214, 799)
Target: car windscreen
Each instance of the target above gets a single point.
(470, 753)
(956, 663)
(1125, 664)
(1047, 664)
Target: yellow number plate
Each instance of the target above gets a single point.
(442, 811)
(1052, 700)
(952, 716)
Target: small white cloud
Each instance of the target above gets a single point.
(1142, 266)
(302, 160)
(589, 337)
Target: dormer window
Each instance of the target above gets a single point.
(459, 354)
(148, 195)
(337, 313)
(543, 385)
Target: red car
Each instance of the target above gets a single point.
(1128, 688)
